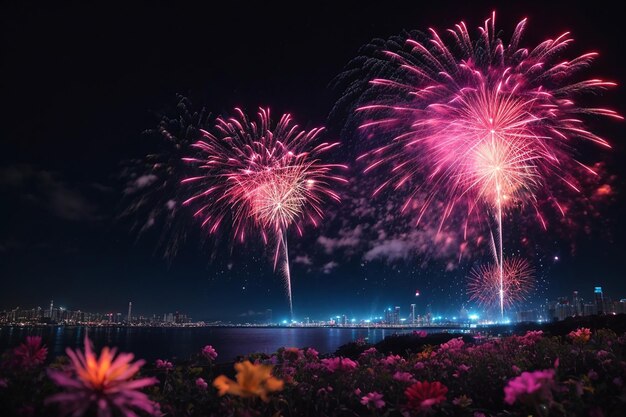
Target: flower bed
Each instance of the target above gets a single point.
(581, 373)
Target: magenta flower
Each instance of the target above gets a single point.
(530, 386)
(202, 384)
(167, 365)
(531, 337)
(209, 352)
(392, 360)
(403, 377)
(420, 333)
(103, 385)
(452, 345)
(312, 353)
(339, 364)
(424, 394)
(30, 354)
(373, 399)
(369, 352)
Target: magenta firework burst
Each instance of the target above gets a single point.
(262, 178)
(485, 288)
(484, 125)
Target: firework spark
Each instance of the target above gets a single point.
(485, 288)
(262, 178)
(484, 125)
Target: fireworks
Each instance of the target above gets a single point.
(261, 178)
(484, 283)
(485, 126)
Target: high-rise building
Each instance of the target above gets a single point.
(577, 304)
(396, 315)
(130, 308)
(412, 318)
(599, 299)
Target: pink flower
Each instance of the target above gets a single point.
(374, 399)
(312, 353)
(581, 335)
(202, 384)
(419, 365)
(369, 352)
(403, 377)
(31, 353)
(516, 369)
(420, 333)
(593, 375)
(339, 364)
(160, 364)
(424, 394)
(357, 392)
(530, 385)
(392, 360)
(452, 345)
(209, 352)
(531, 337)
(103, 385)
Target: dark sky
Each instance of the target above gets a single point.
(80, 83)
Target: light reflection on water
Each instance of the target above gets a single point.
(168, 343)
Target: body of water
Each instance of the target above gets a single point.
(152, 343)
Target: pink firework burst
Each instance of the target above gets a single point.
(262, 178)
(483, 125)
(484, 283)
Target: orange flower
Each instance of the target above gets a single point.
(252, 381)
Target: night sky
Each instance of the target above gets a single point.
(81, 83)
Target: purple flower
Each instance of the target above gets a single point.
(593, 375)
(373, 399)
(357, 391)
(403, 377)
(160, 364)
(530, 385)
(202, 384)
(452, 345)
(419, 365)
(209, 352)
(103, 384)
(339, 364)
(30, 354)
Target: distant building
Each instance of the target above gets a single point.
(412, 317)
(589, 309)
(526, 316)
(599, 299)
(577, 304)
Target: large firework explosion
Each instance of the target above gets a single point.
(256, 177)
(485, 286)
(485, 126)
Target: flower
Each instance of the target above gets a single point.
(312, 353)
(420, 333)
(403, 377)
(209, 352)
(463, 401)
(201, 383)
(580, 335)
(531, 337)
(167, 365)
(369, 352)
(391, 360)
(104, 384)
(452, 345)
(424, 394)
(252, 381)
(357, 391)
(339, 364)
(292, 354)
(529, 386)
(31, 353)
(373, 399)
(3, 383)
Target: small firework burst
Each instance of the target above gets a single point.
(484, 283)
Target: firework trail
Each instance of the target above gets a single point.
(486, 288)
(486, 126)
(256, 177)
(152, 194)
